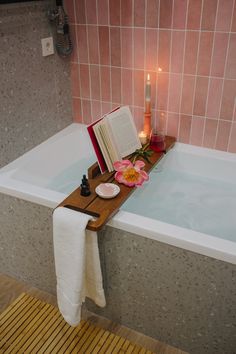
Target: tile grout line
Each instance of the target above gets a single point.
(198, 50)
(99, 68)
(110, 66)
(77, 63)
(224, 79)
(231, 128)
(89, 64)
(210, 70)
(157, 52)
(170, 67)
(182, 74)
(159, 28)
(234, 109)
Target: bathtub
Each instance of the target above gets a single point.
(163, 275)
(48, 173)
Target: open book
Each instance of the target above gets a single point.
(114, 136)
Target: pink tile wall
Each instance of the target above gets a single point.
(117, 42)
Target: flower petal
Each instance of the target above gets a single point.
(139, 164)
(121, 165)
(144, 175)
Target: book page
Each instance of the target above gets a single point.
(123, 131)
(103, 148)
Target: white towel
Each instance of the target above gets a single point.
(77, 263)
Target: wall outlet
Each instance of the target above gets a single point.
(47, 46)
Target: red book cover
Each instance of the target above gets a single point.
(101, 161)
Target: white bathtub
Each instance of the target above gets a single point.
(46, 175)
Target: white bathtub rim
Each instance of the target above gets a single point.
(26, 157)
(205, 152)
(194, 241)
(32, 193)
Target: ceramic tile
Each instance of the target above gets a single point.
(209, 15)
(86, 109)
(116, 85)
(139, 11)
(233, 27)
(204, 56)
(232, 142)
(214, 98)
(126, 13)
(103, 12)
(84, 80)
(139, 48)
(174, 92)
(104, 45)
(105, 83)
(152, 14)
(228, 100)
(139, 88)
(127, 47)
(93, 44)
(187, 94)
(230, 72)
(199, 108)
(219, 54)
(185, 128)
(151, 49)
(194, 14)
(197, 130)
(80, 11)
(115, 46)
(225, 9)
(82, 43)
(222, 138)
(196, 56)
(95, 82)
(191, 51)
(165, 18)
(162, 91)
(95, 110)
(106, 107)
(164, 50)
(127, 86)
(91, 11)
(114, 11)
(177, 51)
(210, 133)
(173, 124)
(180, 13)
(77, 115)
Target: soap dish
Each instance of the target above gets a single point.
(107, 190)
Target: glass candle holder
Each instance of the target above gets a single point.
(157, 141)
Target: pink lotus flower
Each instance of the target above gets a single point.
(129, 174)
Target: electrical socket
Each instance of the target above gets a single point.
(47, 46)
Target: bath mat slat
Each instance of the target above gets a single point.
(31, 326)
(21, 334)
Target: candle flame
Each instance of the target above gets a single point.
(159, 69)
(148, 77)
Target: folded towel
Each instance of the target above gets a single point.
(77, 263)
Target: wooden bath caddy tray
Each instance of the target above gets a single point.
(104, 209)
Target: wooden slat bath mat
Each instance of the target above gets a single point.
(31, 326)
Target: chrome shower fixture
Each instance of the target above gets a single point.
(63, 41)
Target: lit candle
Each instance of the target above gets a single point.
(143, 138)
(148, 95)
